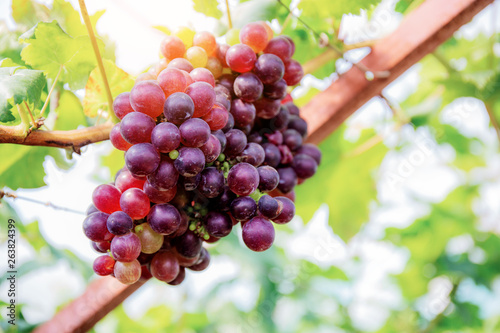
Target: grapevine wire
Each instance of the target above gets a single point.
(359, 65)
(97, 53)
(47, 203)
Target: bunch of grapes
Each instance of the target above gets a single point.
(211, 138)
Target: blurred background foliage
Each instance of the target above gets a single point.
(382, 253)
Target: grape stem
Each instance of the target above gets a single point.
(51, 90)
(229, 22)
(97, 53)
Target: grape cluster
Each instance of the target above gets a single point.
(211, 138)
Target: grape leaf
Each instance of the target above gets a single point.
(69, 18)
(69, 112)
(8, 62)
(347, 175)
(18, 85)
(95, 93)
(22, 166)
(319, 10)
(51, 49)
(207, 7)
(163, 29)
(28, 12)
(9, 46)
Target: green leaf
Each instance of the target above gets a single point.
(207, 7)
(346, 174)
(407, 5)
(319, 10)
(18, 85)
(51, 49)
(95, 92)
(22, 166)
(28, 12)
(69, 112)
(163, 29)
(9, 45)
(114, 161)
(8, 62)
(69, 18)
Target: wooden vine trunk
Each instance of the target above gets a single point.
(420, 33)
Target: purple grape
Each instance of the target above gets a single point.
(279, 122)
(276, 138)
(203, 96)
(298, 124)
(243, 179)
(191, 183)
(101, 247)
(269, 207)
(158, 196)
(293, 109)
(218, 224)
(223, 96)
(136, 127)
(165, 137)
(273, 155)
(223, 202)
(165, 176)
(268, 178)
(269, 68)
(212, 182)
(292, 139)
(187, 245)
(287, 211)
(190, 161)
(92, 209)
(281, 47)
(178, 108)
(277, 90)
(243, 208)
(253, 154)
(236, 142)
(142, 159)
(94, 227)
(229, 124)
(164, 266)
(195, 132)
(227, 80)
(202, 262)
(288, 179)
(179, 278)
(304, 165)
(248, 87)
(311, 150)
(222, 139)
(164, 219)
(258, 234)
(126, 248)
(119, 223)
(267, 108)
(212, 148)
(255, 137)
(243, 113)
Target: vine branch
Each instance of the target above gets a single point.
(74, 139)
